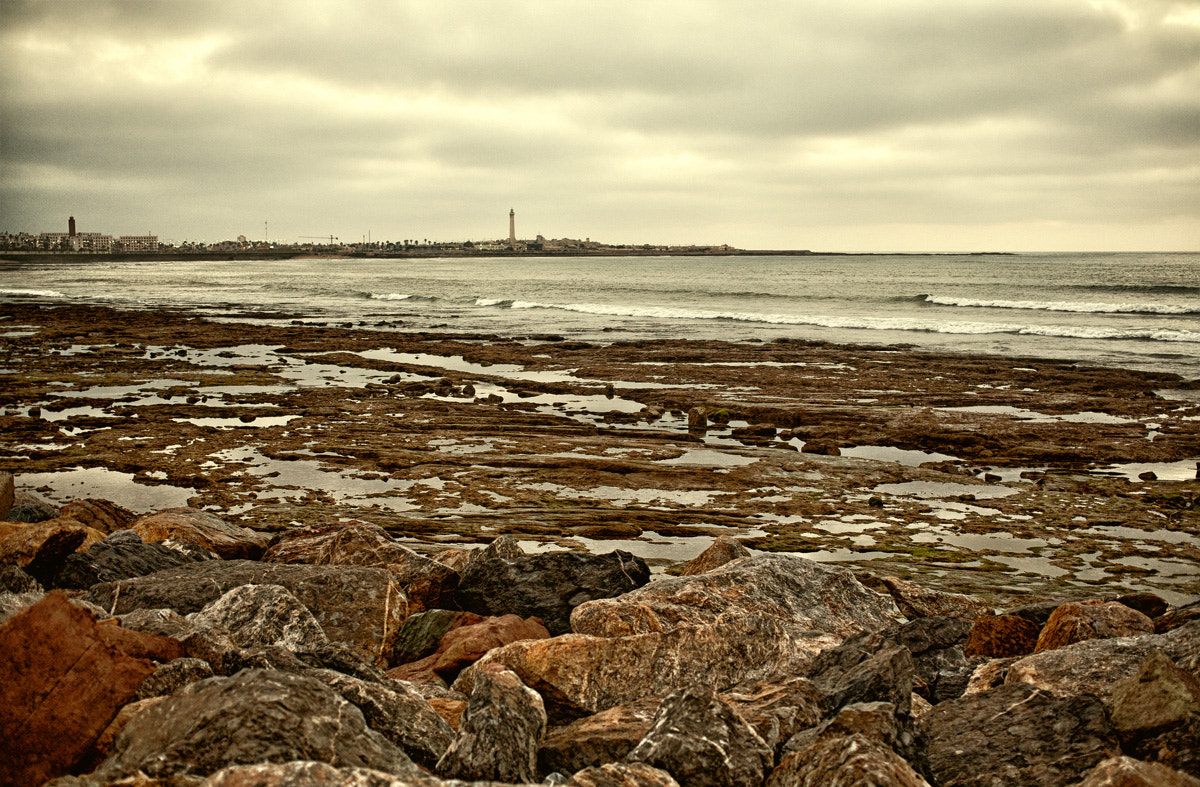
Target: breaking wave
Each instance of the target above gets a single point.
(34, 293)
(1063, 306)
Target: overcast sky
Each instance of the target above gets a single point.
(841, 125)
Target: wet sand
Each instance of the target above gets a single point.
(1015, 479)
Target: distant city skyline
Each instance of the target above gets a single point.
(929, 125)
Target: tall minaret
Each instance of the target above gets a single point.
(512, 226)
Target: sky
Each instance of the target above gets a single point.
(848, 125)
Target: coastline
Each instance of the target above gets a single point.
(440, 438)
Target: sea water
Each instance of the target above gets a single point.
(1139, 311)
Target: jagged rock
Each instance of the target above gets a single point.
(846, 760)
(1157, 713)
(578, 675)
(302, 773)
(864, 669)
(778, 710)
(115, 558)
(421, 632)
(29, 507)
(397, 712)
(499, 733)
(1016, 734)
(13, 603)
(723, 550)
(547, 585)
(1128, 772)
(823, 598)
(634, 774)
(62, 680)
(1149, 604)
(936, 644)
(103, 745)
(1001, 636)
(701, 740)
(1176, 617)
(252, 717)
(1091, 666)
(463, 646)
(605, 737)
(916, 602)
(103, 515)
(14, 580)
(172, 676)
(501, 547)
(989, 675)
(201, 529)
(257, 616)
(424, 581)
(350, 602)
(8, 493)
(920, 706)
(1078, 621)
(41, 548)
(874, 720)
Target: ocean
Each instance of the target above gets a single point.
(1138, 311)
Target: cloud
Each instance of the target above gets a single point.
(769, 122)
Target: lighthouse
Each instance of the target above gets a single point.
(512, 227)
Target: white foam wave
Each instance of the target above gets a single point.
(491, 302)
(1065, 306)
(869, 323)
(34, 293)
(391, 296)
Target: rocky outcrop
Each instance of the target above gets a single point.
(1078, 621)
(824, 599)
(202, 530)
(463, 646)
(1016, 734)
(255, 716)
(548, 585)
(62, 680)
(499, 733)
(1092, 666)
(702, 741)
(424, 581)
(845, 760)
(356, 606)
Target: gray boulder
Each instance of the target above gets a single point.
(253, 717)
(845, 760)
(701, 740)
(172, 676)
(499, 733)
(548, 585)
(258, 616)
(117, 557)
(1016, 734)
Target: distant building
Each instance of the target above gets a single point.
(71, 226)
(512, 227)
(137, 243)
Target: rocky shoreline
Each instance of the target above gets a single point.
(178, 649)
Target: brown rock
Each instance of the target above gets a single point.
(105, 741)
(1078, 621)
(463, 646)
(43, 544)
(102, 515)
(8, 493)
(424, 581)
(604, 737)
(845, 761)
(622, 774)
(988, 675)
(1001, 636)
(1089, 667)
(449, 709)
(1176, 617)
(419, 671)
(421, 632)
(723, 550)
(915, 601)
(61, 684)
(1127, 772)
(202, 529)
(1149, 604)
(1161, 695)
(778, 710)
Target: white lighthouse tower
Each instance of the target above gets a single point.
(512, 227)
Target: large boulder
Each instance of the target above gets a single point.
(548, 585)
(29, 507)
(1083, 620)
(578, 675)
(62, 680)
(1002, 636)
(724, 549)
(777, 710)
(940, 663)
(916, 601)
(605, 737)
(1157, 713)
(301, 773)
(827, 600)
(121, 555)
(499, 733)
(255, 716)
(424, 581)
(201, 529)
(103, 515)
(702, 741)
(41, 548)
(421, 632)
(1091, 666)
(356, 606)
(465, 645)
(1127, 772)
(845, 760)
(259, 616)
(621, 774)
(1016, 734)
